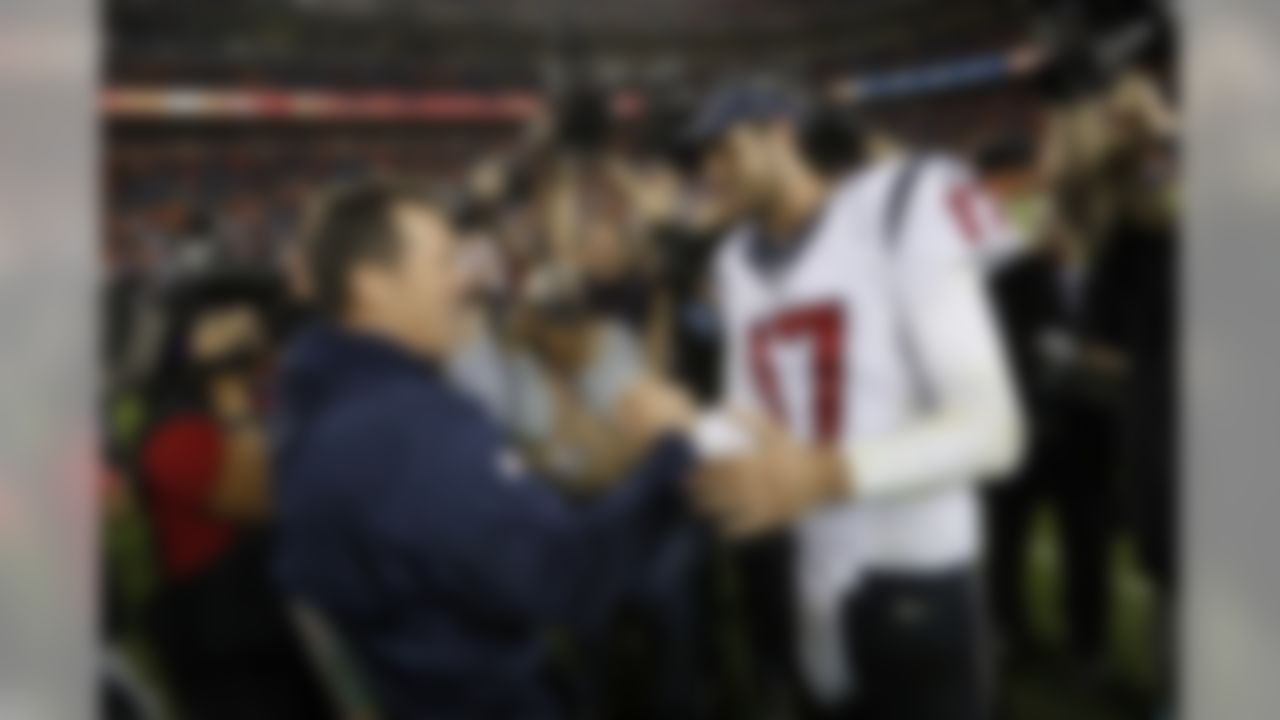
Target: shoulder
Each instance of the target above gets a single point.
(868, 196)
(909, 177)
(875, 177)
(940, 174)
(181, 450)
(875, 180)
(182, 430)
(934, 209)
(388, 400)
(397, 441)
(396, 415)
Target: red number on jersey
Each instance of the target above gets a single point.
(822, 326)
(964, 201)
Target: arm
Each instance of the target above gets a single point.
(241, 490)
(208, 463)
(488, 531)
(658, 332)
(591, 441)
(972, 429)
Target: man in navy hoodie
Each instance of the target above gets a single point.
(404, 515)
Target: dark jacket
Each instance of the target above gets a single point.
(405, 517)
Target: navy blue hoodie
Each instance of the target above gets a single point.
(404, 516)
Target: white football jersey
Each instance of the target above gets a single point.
(846, 339)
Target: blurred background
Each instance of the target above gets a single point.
(555, 125)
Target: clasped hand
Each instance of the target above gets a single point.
(767, 483)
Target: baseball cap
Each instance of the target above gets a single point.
(743, 100)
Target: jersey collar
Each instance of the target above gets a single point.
(772, 256)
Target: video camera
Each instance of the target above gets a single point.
(221, 285)
(1090, 42)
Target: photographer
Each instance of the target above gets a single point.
(578, 361)
(1090, 315)
(678, 225)
(203, 470)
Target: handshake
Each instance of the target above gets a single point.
(753, 476)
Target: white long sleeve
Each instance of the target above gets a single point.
(970, 428)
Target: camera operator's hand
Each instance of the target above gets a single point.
(225, 343)
(222, 332)
(585, 451)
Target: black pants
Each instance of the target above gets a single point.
(1072, 467)
(769, 683)
(918, 648)
(1084, 497)
(228, 649)
(1011, 507)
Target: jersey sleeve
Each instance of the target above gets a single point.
(969, 428)
(946, 218)
(955, 214)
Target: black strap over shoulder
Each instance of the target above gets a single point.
(895, 215)
(899, 198)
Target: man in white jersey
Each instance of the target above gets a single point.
(855, 318)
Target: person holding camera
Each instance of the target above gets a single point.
(204, 471)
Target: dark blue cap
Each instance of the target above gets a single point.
(740, 101)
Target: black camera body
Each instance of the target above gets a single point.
(1090, 42)
(213, 288)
